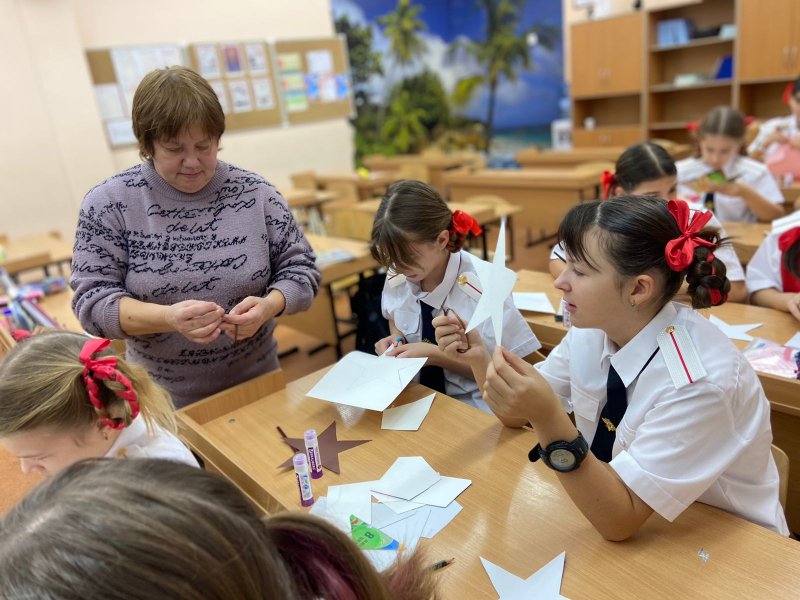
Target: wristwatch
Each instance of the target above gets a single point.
(561, 456)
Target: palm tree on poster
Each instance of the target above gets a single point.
(403, 26)
(500, 54)
(404, 124)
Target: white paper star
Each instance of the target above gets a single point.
(735, 332)
(544, 584)
(497, 281)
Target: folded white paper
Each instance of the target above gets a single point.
(544, 584)
(408, 476)
(735, 332)
(407, 417)
(366, 381)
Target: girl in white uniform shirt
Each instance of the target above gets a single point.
(65, 397)
(773, 274)
(781, 130)
(646, 169)
(751, 193)
(656, 389)
(416, 233)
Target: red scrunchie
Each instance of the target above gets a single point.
(680, 251)
(105, 368)
(464, 223)
(786, 240)
(607, 181)
(717, 297)
(692, 126)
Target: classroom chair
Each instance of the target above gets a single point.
(782, 461)
(416, 171)
(344, 190)
(304, 180)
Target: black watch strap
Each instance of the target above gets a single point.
(578, 448)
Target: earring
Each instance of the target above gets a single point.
(633, 305)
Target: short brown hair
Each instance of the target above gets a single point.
(170, 100)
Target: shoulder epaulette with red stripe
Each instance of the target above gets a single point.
(680, 354)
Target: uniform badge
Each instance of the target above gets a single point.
(393, 278)
(470, 285)
(680, 354)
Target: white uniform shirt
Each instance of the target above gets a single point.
(726, 253)
(708, 441)
(730, 208)
(787, 124)
(136, 442)
(764, 269)
(401, 305)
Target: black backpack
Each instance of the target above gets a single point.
(366, 307)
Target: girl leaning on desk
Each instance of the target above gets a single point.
(187, 257)
(667, 410)
(140, 529)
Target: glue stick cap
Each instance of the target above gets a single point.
(310, 435)
(300, 460)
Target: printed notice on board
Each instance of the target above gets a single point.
(109, 101)
(240, 96)
(256, 58)
(262, 94)
(320, 62)
(219, 89)
(208, 61)
(234, 66)
(120, 132)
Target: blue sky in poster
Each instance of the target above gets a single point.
(531, 101)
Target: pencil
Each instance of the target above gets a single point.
(442, 564)
(283, 435)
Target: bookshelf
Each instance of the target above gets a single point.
(635, 88)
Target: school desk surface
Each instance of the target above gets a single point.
(515, 513)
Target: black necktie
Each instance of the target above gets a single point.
(610, 417)
(708, 201)
(432, 377)
(612, 413)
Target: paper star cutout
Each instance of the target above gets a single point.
(545, 584)
(497, 281)
(735, 332)
(329, 447)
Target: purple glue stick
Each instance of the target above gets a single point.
(312, 450)
(303, 480)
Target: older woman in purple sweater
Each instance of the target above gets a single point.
(188, 258)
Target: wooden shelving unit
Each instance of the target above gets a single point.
(626, 82)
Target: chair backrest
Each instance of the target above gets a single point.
(487, 200)
(782, 462)
(344, 190)
(416, 171)
(304, 180)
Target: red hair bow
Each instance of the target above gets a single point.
(464, 223)
(717, 297)
(105, 368)
(788, 238)
(607, 181)
(692, 126)
(680, 251)
(787, 92)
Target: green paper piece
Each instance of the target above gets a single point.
(370, 538)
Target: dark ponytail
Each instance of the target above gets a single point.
(634, 232)
(641, 163)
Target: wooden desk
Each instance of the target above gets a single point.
(790, 195)
(783, 394)
(308, 199)
(436, 165)
(545, 195)
(515, 513)
(320, 319)
(35, 251)
(368, 187)
(59, 307)
(746, 237)
(536, 158)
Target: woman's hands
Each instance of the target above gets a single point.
(247, 317)
(196, 320)
(456, 343)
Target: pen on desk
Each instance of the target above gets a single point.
(283, 435)
(442, 564)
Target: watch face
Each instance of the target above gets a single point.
(562, 459)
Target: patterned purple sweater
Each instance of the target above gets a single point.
(140, 237)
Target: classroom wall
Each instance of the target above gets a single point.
(55, 147)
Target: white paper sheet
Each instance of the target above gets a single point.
(439, 518)
(443, 492)
(794, 341)
(350, 499)
(366, 381)
(533, 301)
(497, 281)
(735, 332)
(544, 584)
(408, 417)
(408, 477)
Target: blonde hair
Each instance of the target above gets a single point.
(41, 385)
(168, 101)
